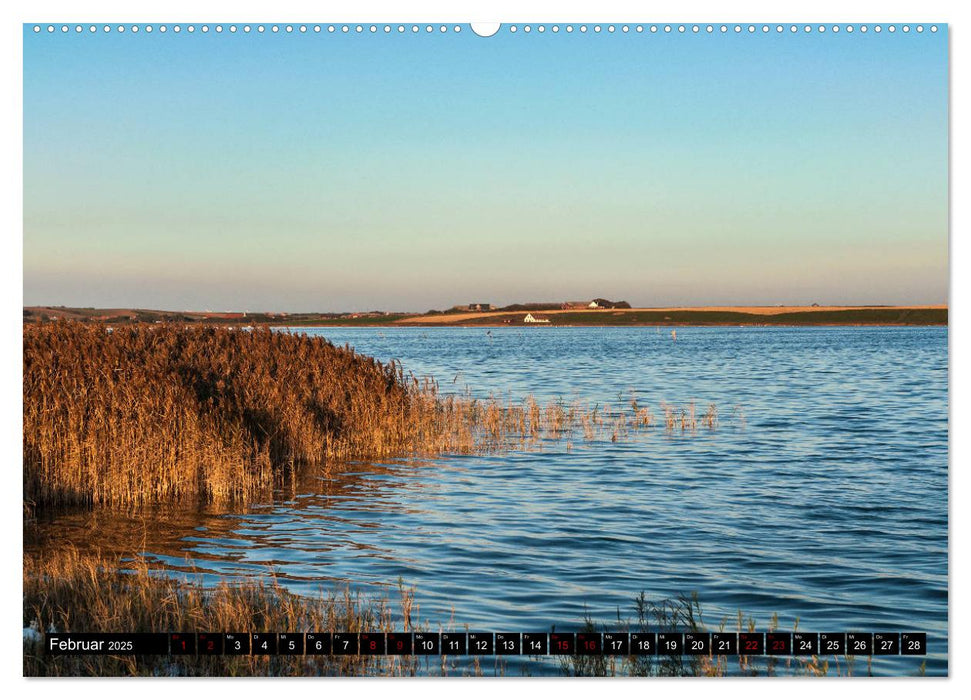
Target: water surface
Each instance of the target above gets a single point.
(822, 495)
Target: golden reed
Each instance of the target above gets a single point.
(149, 412)
(152, 412)
(69, 591)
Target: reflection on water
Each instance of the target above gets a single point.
(830, 505)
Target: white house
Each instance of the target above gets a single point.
(529, 318)
(593, 305)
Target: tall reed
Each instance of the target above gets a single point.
(70, 592)
(65, 591)
(151, 412)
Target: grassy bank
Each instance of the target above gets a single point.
(934, 315)
(73, 593)
(121, 317)
(875, 316)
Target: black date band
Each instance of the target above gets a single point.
(490, 643)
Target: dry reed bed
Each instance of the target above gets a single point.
(66, 591)
(151, 412)
(72, 592)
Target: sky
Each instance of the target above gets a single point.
(350, 172)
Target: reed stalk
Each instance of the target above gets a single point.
(154, 412)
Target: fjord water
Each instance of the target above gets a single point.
(822, 495)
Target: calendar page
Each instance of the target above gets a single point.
(424, 348)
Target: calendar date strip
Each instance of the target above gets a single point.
(490, 643)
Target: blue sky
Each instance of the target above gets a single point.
(352, 172)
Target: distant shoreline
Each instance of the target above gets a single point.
(702, 316)
(923, 315)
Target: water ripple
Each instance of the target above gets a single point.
(829, 504)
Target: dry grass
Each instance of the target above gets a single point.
(153, 412)
(71, 592)
(684, 614)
